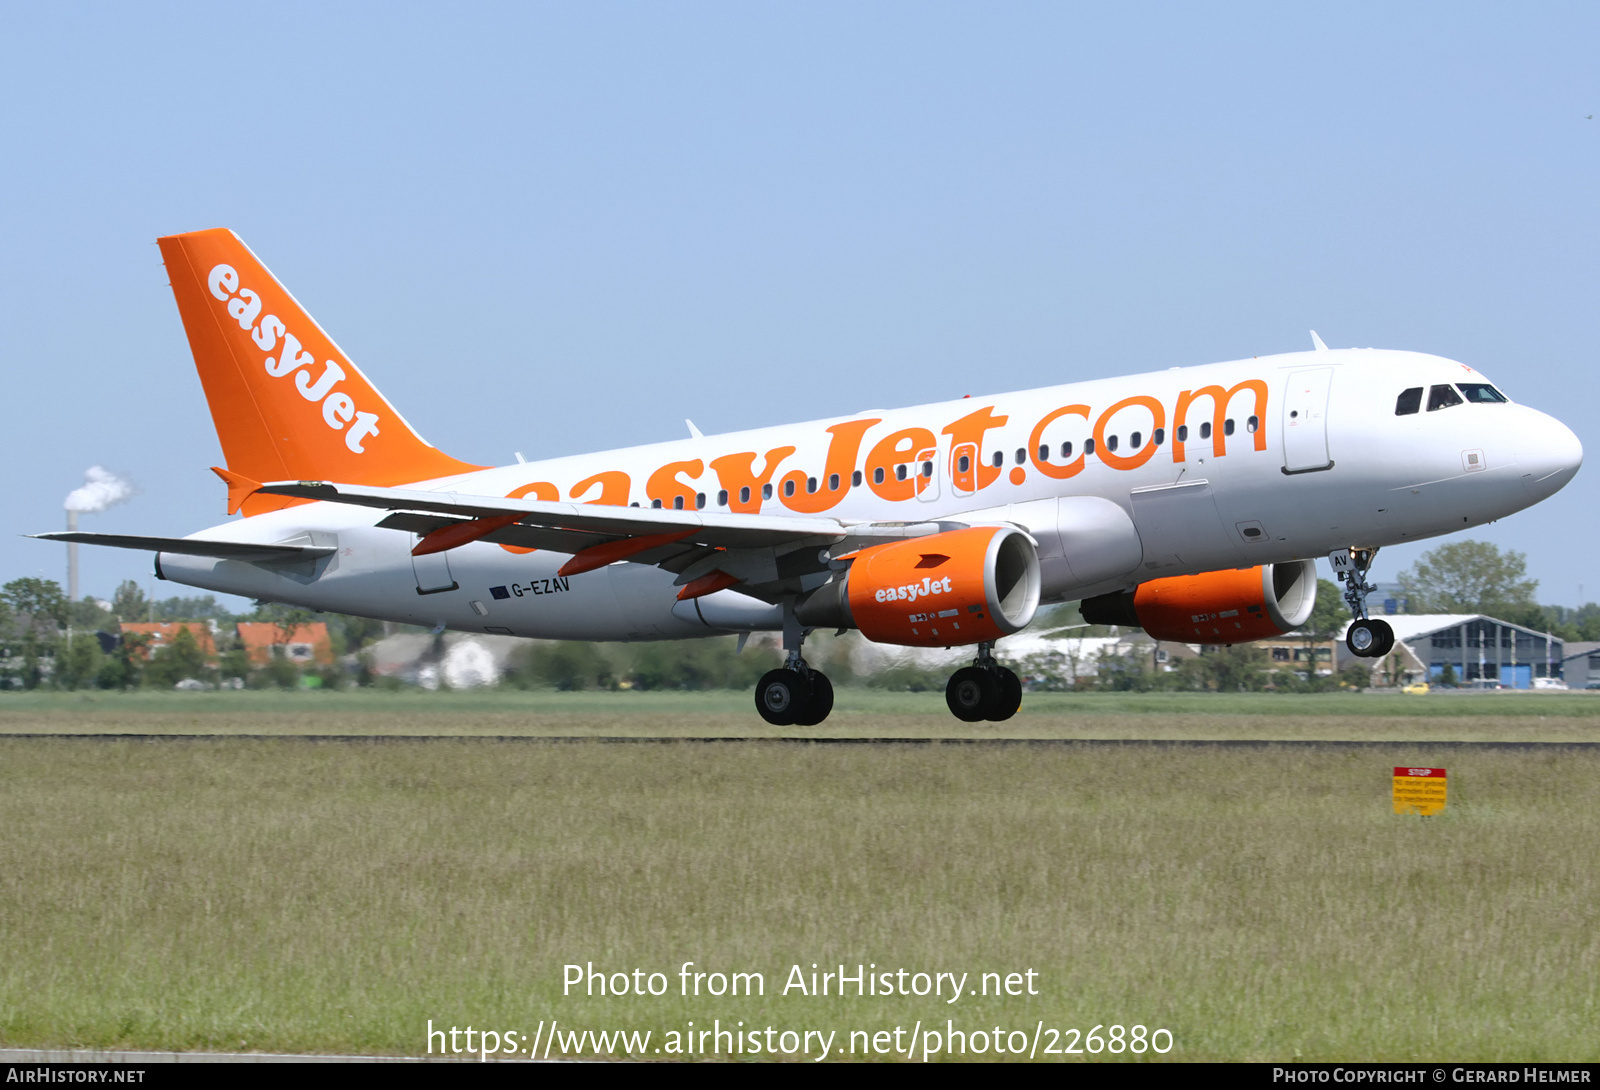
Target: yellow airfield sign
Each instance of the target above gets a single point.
(1419, 790)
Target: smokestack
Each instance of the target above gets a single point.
(72, 558)
(101, 489)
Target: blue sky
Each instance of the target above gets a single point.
(563, 228)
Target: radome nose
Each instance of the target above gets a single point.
(1548, 454)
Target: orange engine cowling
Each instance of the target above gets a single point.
(1234, 606)
(943, 590)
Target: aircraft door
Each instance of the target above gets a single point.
(1305, 421)
(433, 573)
(927, 471)
(964, 469)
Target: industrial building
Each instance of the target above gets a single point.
(1476, 647)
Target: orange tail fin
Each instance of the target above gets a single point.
(287, 403)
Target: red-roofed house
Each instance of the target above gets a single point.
(307, 644)
(162, 634)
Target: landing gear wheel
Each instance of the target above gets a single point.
(1009, 696)
(784, 696)
(821, 702)
(972, 694)
(1369, 639)
(1385, 637)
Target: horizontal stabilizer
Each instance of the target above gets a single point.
(224, 550)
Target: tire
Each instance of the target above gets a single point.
(783, 696)
(972, 694)
(1008, 697)
(1385, 637)
(1369, 639)
(821, 702)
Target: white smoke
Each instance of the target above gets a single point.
(101, 489)
(469, 664)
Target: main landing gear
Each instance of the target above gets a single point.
(794, 694)
(983, 691)
(1366, 638)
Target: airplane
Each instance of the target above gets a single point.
(1191, 502)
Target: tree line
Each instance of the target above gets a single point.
(49, 642)
(1477, 577)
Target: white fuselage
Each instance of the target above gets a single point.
(1307, 456)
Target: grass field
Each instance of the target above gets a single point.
(282, 894)
(1542, 717)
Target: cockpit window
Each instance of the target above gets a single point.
(1408, 402)
(1442, 397)
(1480, 393)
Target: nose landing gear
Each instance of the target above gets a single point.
(1366, 638)
(983, 691)
(1370, 639)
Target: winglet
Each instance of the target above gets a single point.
(240, 487)
(1316, 342)
(694, 432)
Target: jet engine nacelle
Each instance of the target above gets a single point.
(1234, 606)
(943, 590)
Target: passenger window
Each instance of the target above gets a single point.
(927, 469)
(1044, 452)
(1227, 426)
(1442, 397)
(1066, 451)
(788, 488)
(677, 503)
(1136, 440)
(656, 504)
(1159, 437)
(1183, 433)
(1088, 446)
(1251, 425)
(1205, 430)
(877, 475)
(1480, 393)
(766, 491)
(811, 484)
(900, 472)
(855, 479)
(999, 459)
(1408, 402)
(964, 464)
(1022, 456)
(744, 494)
(722, 497)
(833, 482)
(699, 501)
(1111, 442)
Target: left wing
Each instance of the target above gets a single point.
(771, 556)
